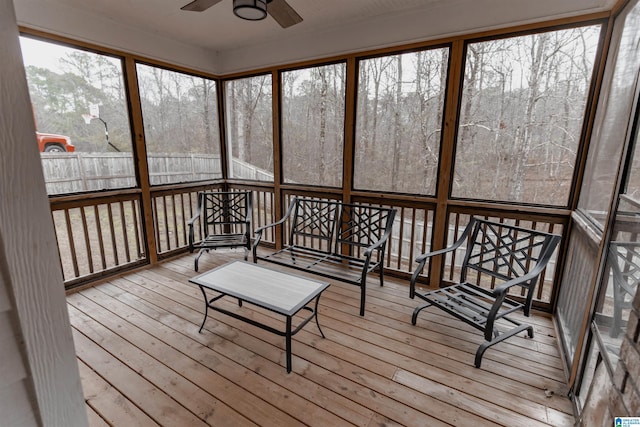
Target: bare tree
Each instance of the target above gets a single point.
(521, 116)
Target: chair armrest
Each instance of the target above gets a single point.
(258, 232)
(532, 276)
(192, 220)
(381, 242)
(504, 288)
(422, 259)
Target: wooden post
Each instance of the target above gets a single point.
(349, 129)
(445, 174)
(278, 198)
(140, 159)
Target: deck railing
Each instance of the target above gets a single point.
(99, 235)
(458, 221)
(173, 207)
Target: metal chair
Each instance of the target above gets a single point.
(224, 221)
(508, 256)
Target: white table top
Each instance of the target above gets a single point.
(281, 292)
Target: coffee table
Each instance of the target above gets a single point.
(276, 291)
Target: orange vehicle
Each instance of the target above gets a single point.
(52, 143)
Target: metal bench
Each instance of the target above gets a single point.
(224, 220)
(508, 255)
(332, 239)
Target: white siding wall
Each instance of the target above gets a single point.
(39, 379)
(15, 405)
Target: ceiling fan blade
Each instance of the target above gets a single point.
(283, 13)
(200, 5)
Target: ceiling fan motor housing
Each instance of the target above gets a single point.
(252, 10)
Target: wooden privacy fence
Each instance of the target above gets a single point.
(79, 172)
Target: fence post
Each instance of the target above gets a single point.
(83, 175)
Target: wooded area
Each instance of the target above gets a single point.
(250, 124)
(521, 115)
(313, 106)
(520, 120)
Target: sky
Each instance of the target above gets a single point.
(42, 54)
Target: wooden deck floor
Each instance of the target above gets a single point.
(143, 362)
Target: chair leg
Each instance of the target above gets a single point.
(195, 262)
(414, 317)
(485, 345)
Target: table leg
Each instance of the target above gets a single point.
(206, 309)
(315, 314)
(288, 343)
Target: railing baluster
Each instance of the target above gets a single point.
(184, 219)
(166, 222)
(175, 221)
(72, 245)
(96, 214)
(89, 255)
(136, 227)
(113, 234)
(401, 240)
(123, 224)
(87, 243)
(156, 222)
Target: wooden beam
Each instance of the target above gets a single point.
(140, 158)
(348, 155)
(447, 154)
(278, 198)
(222, 128)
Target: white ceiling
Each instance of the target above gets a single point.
(216, 41)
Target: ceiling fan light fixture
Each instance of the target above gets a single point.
(252, 10)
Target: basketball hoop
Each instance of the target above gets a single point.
(88, 117)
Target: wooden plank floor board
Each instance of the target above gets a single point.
(468, 347)
(108, 403)
(95, 420)
(226, 367)
(273, 349)
(417, 338)
(457, 330)
(188, 394)
(157, 404)
(143, 362)
(356, 333)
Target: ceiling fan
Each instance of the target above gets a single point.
(254, 10)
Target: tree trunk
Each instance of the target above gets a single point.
(397, 127)
(519, 173)
(323, 123)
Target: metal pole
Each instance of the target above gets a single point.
(106, 134)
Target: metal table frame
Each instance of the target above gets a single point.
(219, 281)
